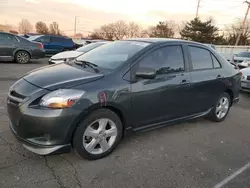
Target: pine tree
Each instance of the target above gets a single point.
(199, 31)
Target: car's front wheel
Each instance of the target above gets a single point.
(221, 108)
(98, 134)
(22, 57)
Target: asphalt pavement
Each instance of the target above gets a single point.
(195, 154)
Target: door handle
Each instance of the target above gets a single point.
(184, 81)
(219, 76)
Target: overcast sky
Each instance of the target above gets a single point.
(93, 13)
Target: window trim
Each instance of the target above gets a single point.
(212, 55)
(190, 58)
(46, 36)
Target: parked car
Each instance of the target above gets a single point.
(124, 86)
(70, 55)
(245, 79)
(240, 58)
(14, 47)
(54, 44)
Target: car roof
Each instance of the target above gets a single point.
(161, 40)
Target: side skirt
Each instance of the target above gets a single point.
(129, 130)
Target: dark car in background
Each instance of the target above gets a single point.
(70, 55)
(14, 47)
(123, 86)
(54, 44)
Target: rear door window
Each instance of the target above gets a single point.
(7, 38)
(57, 39)
(44, 39)
(201, 58)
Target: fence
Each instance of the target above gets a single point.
(229, 51)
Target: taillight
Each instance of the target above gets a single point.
(240, 74)
(40, 45)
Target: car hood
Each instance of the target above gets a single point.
(68, 54)
(60, 76)
(245, 71)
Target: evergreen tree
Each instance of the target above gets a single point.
(196, 30)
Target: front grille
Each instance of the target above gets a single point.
(238, 61)
(15, 94)
(15, 98)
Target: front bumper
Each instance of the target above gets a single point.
(41, 130)
(41, 149)
(245, 86)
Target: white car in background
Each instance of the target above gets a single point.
(245, 79)
(67, 56)
(242, 59)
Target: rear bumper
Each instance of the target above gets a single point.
(37, 54)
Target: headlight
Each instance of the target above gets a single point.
(62, 98)
(69, 59)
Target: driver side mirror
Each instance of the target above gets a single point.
(146, 73)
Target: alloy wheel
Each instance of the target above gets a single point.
(22, 57)
(222, 107)
(100, 136)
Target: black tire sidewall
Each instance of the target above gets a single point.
(78, 135)
(213, 115)
(22, 52)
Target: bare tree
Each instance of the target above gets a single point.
(121, 29)
(106, 32)
(235, 28)
(163, 29)
(118, 30)
(42, 28)
(134, 30)
(54, 28)
(25, 26)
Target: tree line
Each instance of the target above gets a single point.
(194, 30)
(25, 27)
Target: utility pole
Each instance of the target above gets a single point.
(75, 27)
(243, 24)
(197, 10)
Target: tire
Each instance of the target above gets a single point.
(22, 57)
(91, 133)
(215, 114)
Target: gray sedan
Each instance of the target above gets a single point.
(245, 79)
(14, 47)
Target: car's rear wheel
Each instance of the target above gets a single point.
(22, 57)
(221, 108)
(98, 134)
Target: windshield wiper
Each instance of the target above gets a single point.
(89, 64)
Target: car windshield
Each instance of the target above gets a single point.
(243, 54)
(89, 47)
(34, 37)
(114, 54)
